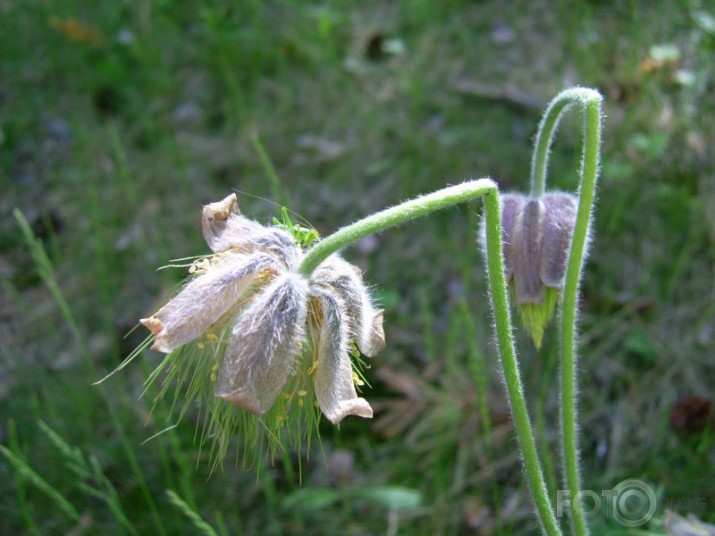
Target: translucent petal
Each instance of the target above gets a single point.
(206, 299)
(264, 345)
(526, 245)
(559, 220)
(334, 385)
(363, 320)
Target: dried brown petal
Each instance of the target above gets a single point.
(205, 300)
(264, 345)
(558, 224)
(224, 228)
(334, 384)
(215, 218)
(364, 321)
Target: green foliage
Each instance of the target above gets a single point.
(392, 498)
(304, 236)
(185, 508)
(90, 477)
(535, 318)
(25, 472)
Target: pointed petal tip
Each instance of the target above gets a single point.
(214, 220)
(356, 406)
(153, 324)
(221, 210)
(157, 329)
(244, 400)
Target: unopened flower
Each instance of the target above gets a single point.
(536, 238)
(251, 293)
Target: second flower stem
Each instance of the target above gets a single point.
(512, 378)
(423, 205)
(591, 101)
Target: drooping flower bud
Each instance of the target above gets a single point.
(536, 236)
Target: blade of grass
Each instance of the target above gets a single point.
(541, 429)
(202, 526)
(29, 474)
(46, 272)
(269, 170)
(20, 483)
(480, 376)
(92, 479)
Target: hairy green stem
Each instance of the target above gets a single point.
(591, 101)
(451, 195)
(500, 303)
(547, 129)
(512, 378)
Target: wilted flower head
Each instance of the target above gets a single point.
(249, 300)
(536, 237)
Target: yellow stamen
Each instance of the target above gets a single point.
(200, 266)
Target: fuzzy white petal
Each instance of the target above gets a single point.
(334, 385)
(206, 299)
(363, 319)
(264, 345)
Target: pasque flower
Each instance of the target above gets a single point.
(536, 235)
(250, 290)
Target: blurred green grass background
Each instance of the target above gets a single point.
(118, 120)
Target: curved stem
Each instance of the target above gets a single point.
(547, 129)
(569, 381)
(591, 100)
(403, 212)
(512, 378)
(423, 205)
